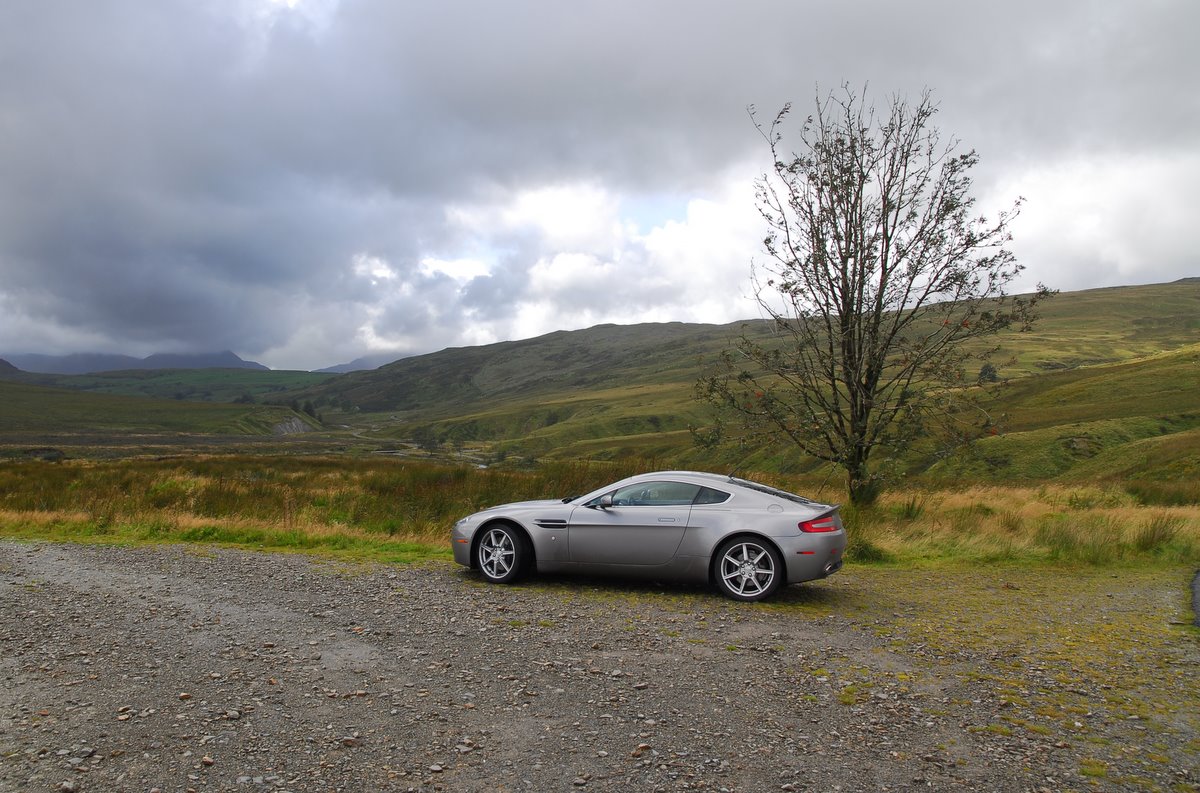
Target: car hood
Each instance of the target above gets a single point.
(543, 503)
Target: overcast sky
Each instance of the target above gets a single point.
(306, 182)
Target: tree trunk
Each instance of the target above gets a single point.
(864, 488)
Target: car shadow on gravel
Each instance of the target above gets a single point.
(815, 594)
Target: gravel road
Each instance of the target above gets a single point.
(181, 668)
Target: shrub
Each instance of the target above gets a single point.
(1165, 494)
(1158, 532)
(911, 509)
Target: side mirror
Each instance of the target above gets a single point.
(606, 501)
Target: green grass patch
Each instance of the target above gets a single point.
(37, 409)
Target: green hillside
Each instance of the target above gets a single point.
(1089, 421)
(1101, 369)
(564, 362)
(32, 409)
(194, 385)
(1106, 386)
(1106, 325)
(1075, 329)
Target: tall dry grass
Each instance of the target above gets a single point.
(1086, 524)
(277, 501)
(402, 509)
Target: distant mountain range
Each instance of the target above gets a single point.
(86, 363)
(365, 363)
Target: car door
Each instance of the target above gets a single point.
(641, 524)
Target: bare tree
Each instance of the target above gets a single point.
(878, 282)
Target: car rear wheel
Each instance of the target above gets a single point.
(748, 569)
(501, 554)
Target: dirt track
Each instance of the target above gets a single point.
(177, 669)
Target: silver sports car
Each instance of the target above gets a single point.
(745, 538)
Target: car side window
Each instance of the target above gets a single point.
(709, 496)
(655, 494)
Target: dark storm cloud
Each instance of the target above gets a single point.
(204, 175)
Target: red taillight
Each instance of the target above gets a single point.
(817, 525)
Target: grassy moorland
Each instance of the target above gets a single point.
(193, 385)
(1126, 353)
(37, 409)
(1096, 457)
(392, 510)
(368, 508)
(36, 421)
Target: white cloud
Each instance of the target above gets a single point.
(567, 216)
(301, 179)
(695, 268)
(1103, 221)
(463, 269)
(373, 268)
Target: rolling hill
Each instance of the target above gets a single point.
(1076, 329)
(1123, 354)
(193, 385)
(31, 409)
(1106, 385)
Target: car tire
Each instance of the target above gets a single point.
(747, 569)
(501, 553)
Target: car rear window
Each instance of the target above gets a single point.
(771, 491)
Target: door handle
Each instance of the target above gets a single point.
(666, 520)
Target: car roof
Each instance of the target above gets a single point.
(701, 475)
(725, 481)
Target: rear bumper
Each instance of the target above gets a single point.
(812, 556)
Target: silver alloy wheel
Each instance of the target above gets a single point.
(497, 554)
(747, 570)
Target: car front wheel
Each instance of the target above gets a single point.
(501, 554)
(748, 569)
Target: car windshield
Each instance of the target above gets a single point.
(772, 491)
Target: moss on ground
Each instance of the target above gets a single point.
(1105, 663)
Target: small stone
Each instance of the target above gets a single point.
(206, 760)
(435, 768)
(579, 781)
(184, 696)
(351, 741)
(641, 686)
(69, 786)
(233, 715)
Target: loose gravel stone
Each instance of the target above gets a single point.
(177, 668)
